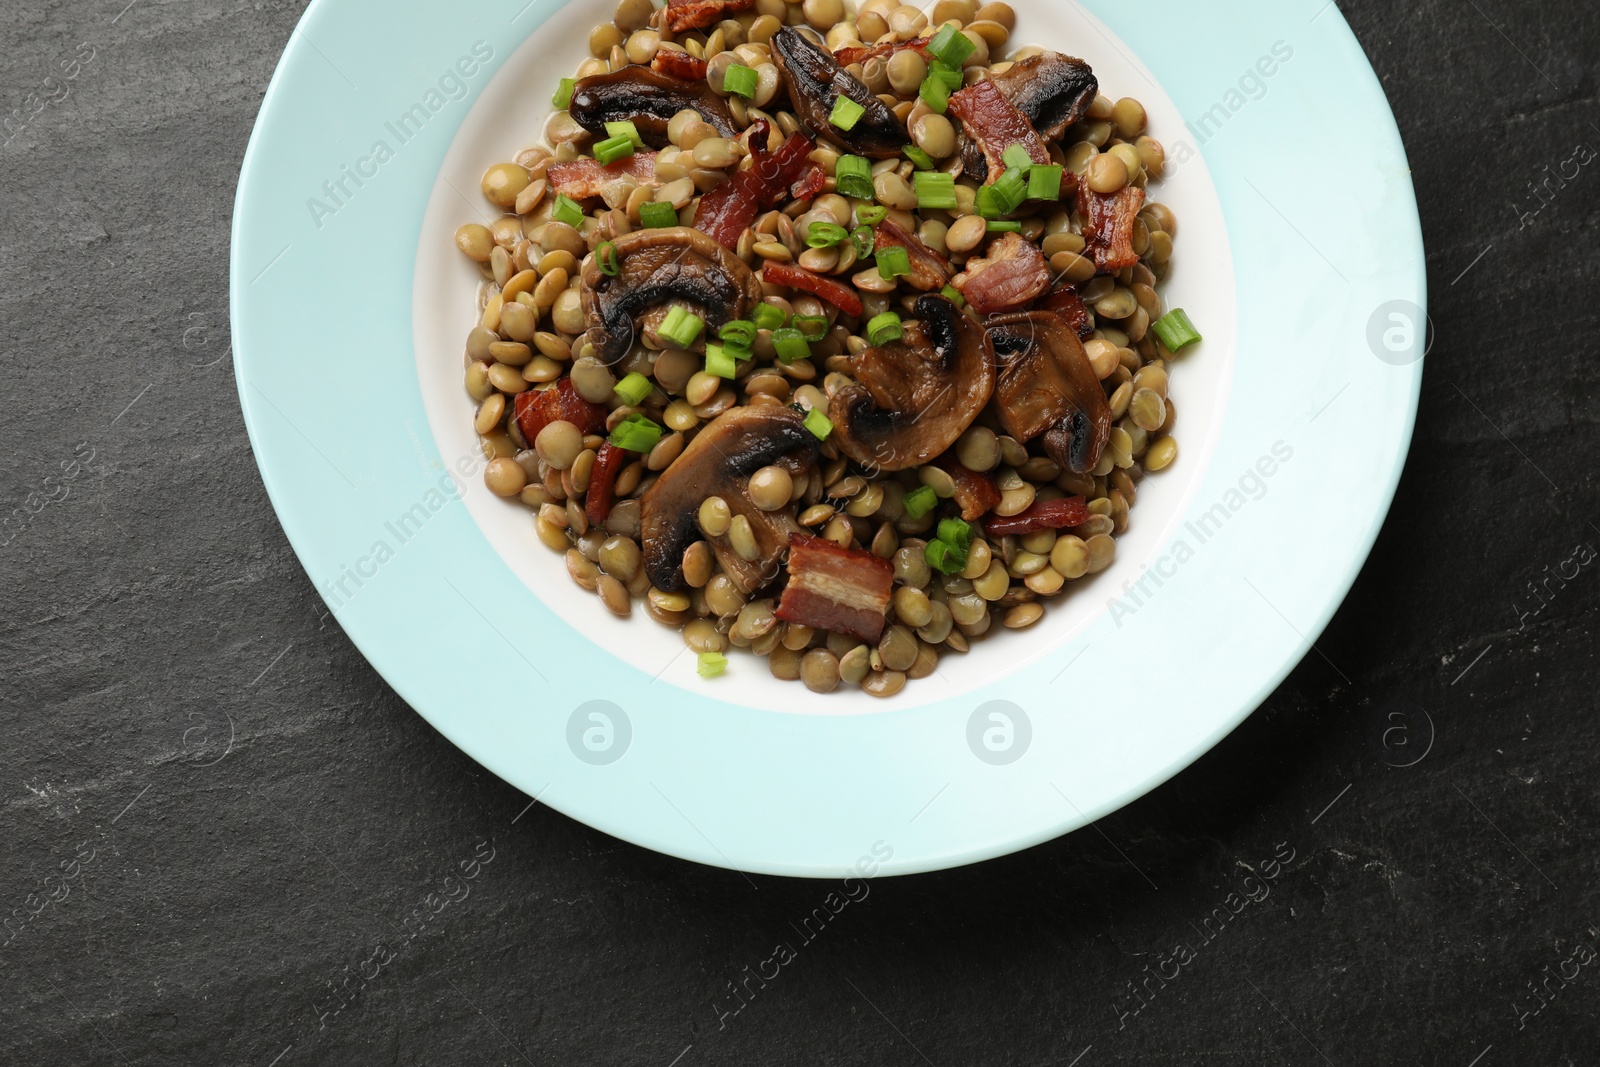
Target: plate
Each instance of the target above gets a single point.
(1299, 256)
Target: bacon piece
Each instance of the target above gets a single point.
(929, 270)
(862, 53)
(1108, 225)
(843, 590)
(731, 208)
(990, 117)
(1013, 275)
(840, 296)
(1070, 306)
(1041, 515)
(608, 463)
(537, 409)
(685, 15)
(681, 65)
(585, 178)
(977, 494)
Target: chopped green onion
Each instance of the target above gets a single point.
(935, 93)
(853, 175)
(997, 226)
(1010, 191)
(613, 150)
(711, 664)
(920, 159)
(952, 294)
(720, 361)
(865, 240)
(825, 234)
(634, 388)
(791, 345)
(871, 214)
(767, 317)
(942, 558)
(741, 80)
(681, 328)
(885, 328)
(567, 210)
(988, 204)
(1017, 158)
(564, 92)
(846, 113)
(819, 424)
(636, 434)
(740, 333)
(1044, 181)
(935, 191)
(951, 77)
(951, 46)
(1175, 330)
(606, 257)
(920, 501)
(625, 129)
(956, 534)
(893, 262)
(654, 216)
(811, 327)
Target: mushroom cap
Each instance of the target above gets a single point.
(912, 398)
(1048, 386)
(719, 462)
(655, 268)
(648, 100)
(815, 81)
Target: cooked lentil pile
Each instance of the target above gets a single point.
(832, 335)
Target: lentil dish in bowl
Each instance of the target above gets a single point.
(829, 335)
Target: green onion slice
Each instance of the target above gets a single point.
(885, 328)
(956, 533)
(740, 333)
(1010, 191)
(741, 80)
(825, 234)
(720, 361)
(656, 216)
(999, 226)
(942, 558)
(893, 262)
(1017, 158)
(634, 388)
(951, 46)
(613, 150)
(1175, 330)
(846, 113)
(952, 294)
(1044, 181)
(865, 240)
(567, 210)
(811, 327)
(988, 203)
(871, 214)
(711, 664)
(636, 434)
(564, 92)
(952, 78)
(819, 424)
(920, 501)
(606, 257)
(853, 176)
(625, 129)
(935, 93)
(681, 328)
(767, 317)
(920, 159)
(934, 191)
(791, 344)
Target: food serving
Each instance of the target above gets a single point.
(832, 336)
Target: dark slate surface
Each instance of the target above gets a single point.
(245, 811)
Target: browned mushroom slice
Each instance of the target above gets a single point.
(655, 268)
(719, 462)
(648, 100)
(1054, 91)
(913, 397)
(1048, 387)
(816, 81)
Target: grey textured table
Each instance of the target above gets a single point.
(217, 818)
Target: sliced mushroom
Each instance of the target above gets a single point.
(1047, 386)
(913, 397)
(816, 81)
(648, 100)
(719, 462)
(1054, 91)
(654, 268)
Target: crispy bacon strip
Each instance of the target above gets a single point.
(681, 65)
(840, 296)
(862, 53)
(537, 409)
(929, 270)
(843, 590)
(685, 15)
(1108, 225)
(1041, 515)
(977, 494)
(731, 208)
(990, 117)
(602, 494)
(1013, 275)
(1070, 306)
(585, 178)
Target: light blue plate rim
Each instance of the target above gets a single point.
(1323, 224)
